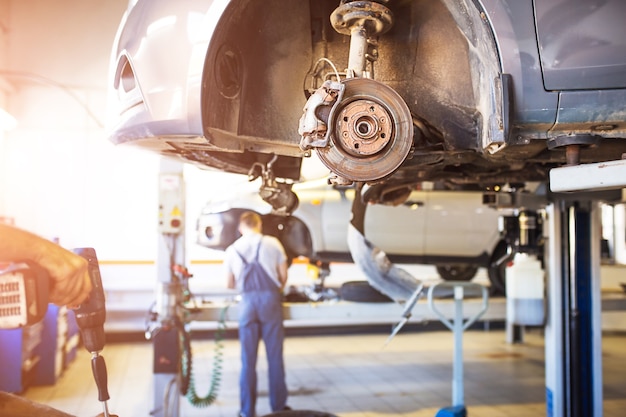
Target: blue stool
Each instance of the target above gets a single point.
(454, 411)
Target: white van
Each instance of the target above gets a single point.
(452, 230)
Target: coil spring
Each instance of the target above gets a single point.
(187, 387)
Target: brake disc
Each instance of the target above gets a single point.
(371, 131)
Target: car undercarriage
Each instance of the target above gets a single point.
(398, 92)
(482, 95)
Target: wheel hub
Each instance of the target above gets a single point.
(364, 128)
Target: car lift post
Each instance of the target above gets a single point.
(573, 331)
(171, 251)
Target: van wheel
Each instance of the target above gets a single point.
(463, 272)
(497, 274)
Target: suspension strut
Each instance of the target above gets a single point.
(361, 128)
(361, 20)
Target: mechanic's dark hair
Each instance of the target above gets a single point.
(250, 219)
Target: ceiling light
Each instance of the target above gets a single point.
(7, 122)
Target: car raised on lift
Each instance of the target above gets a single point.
(386, 93)
(383, 91)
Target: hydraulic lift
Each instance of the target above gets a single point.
(571, 256)
(168, 315)
(573, 332)
(571, 234)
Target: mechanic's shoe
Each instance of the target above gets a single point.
(287, 408)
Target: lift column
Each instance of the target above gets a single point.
(573, 332)
(169, 291)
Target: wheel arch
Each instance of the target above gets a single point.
(292, 232)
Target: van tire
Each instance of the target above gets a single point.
(363, 292)
(464, 272)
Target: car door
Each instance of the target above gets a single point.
(459, 224)
(398, 230)
(393, 229)
(582, 43)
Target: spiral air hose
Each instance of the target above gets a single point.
(187, 386)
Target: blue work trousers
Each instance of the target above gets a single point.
(261, 316)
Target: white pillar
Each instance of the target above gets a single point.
(619, 236)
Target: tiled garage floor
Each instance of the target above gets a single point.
(350, 376)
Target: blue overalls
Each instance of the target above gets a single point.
(261, 316)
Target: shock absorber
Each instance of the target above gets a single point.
(522, 231)
(361, 128)
(361, 20)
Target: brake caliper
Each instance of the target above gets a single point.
(313, 127)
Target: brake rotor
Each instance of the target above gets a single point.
(371, 132)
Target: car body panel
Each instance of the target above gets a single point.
(156, 78)
(153, 36)
(400, 228)
(459, 223)
(513, 22)
(592, 111)
(590, 54)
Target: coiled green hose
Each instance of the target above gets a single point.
(188, 388)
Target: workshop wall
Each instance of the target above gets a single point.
(4, 86)
(4, 28)
(62, 179)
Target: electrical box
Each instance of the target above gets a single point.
(171, 203)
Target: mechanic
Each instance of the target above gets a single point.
(260, 310)
(70, 285)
